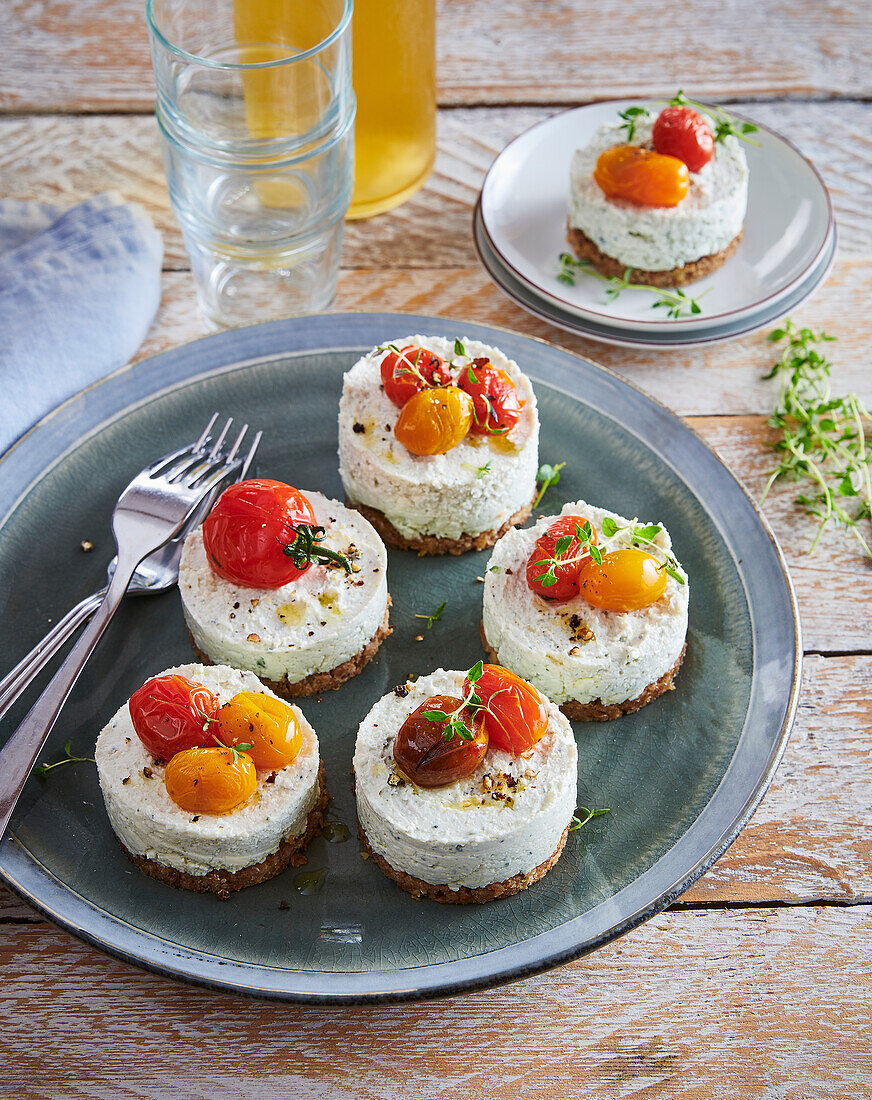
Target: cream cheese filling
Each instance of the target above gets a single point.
(477, 486)
(573, 650)
(464, 834)
(312, 624)
(150, 824)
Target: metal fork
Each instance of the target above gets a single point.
(152, 509)
(158, 572)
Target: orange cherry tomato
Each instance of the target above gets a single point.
(433, 421)
(566, 576)
(515, 717)
(270, 726)
(639, 175)
(249, 526)
(496, 405)
(627, 580)
(426, 756)
(410, 371)
(210, 781)
(172, 713)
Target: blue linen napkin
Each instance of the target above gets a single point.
(78, 292)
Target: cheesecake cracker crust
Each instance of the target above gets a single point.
(432, 545)
(317, 682)
(463, 895)
(291, 852)
(596, 710)
(585, 249)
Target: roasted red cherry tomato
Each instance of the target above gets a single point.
(627, 580)
(642, 176)
(246, 531)
(270, 726)
(210, 781)
(172, 713)
(411, 371)
(496, 405)
(426, 756)
(565, 586)
(515, 718)
(682, 132)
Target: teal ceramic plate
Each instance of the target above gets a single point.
(681, 776)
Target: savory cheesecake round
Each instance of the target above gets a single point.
(438, 443)
(211, 782)
(466, 784)
(290, 586)
(670, 205)
(589, 606)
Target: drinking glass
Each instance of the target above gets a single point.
(256, 122)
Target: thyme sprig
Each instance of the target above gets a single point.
(822, 439)
(630, 119)
(545, 478)
(455, 721)
(725, 124)
(436, 616)
(582, 815)
(410, 366)
(676, 302)
(305, 548)
(43, 769)
(483, 470)
(242, 746)
(645, 536)
(584, 535)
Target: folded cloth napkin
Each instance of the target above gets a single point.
(78, 292)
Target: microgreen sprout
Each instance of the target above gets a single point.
(630, 118)
(645, 536)
(582, 815)
(821, 438)
(459, 349)
(306, 548)
(676, 302)
(545, 478)
(409, 366)
(483, 470)
(561, 557)
(242, 746)
(725, 124)
(436, 616)
(42, 771)
(455, 721)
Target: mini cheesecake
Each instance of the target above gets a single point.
(304, 637)
(664, 245)
(206, 852)
(485, 836)
(461, 500)
(596, 664)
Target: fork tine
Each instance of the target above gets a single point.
(201, 442)
(186, 469)
(163, 464)
(232, 453)
(243, 473)
(219, 442)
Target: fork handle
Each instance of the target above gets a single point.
(21, 750)
(17, 680)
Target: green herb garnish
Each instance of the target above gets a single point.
(822, 439)
(582, 815)
(586, 549)
(436, 616)
(43, 769)
(455, 722)
(645, 536)
(725, 124)
(675, 302)
(459, 349)
(242, 746)
(483, 470)
(545, 478)
(630, 119)
(305, 548)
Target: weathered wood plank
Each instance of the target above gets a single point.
(63, 160)
(763, 1003)
(94, 55)
(807, 840)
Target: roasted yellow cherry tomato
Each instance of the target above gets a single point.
(270, 726)
(210, 781)
(626, 581)
(433, 421)
(640, 175)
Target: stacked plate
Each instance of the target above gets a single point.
(519, 228)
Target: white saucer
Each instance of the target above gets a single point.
(655, 337)
(789, 229)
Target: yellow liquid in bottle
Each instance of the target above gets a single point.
(394, 66)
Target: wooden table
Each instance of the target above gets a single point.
(756, 983)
